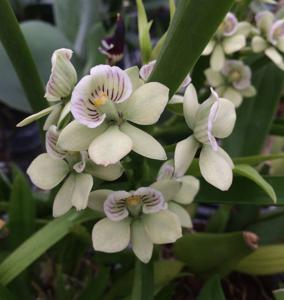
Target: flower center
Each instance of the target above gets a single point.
(101, 99)
(134, 204)
(278, 32)
(133, 201)
(235, 75)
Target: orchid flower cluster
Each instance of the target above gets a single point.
(93, 124)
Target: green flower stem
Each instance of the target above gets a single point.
(20, 56)
(143, 287)
(193, 25)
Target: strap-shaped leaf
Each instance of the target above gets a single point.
(212, 290)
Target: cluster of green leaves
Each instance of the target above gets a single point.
(33, 234)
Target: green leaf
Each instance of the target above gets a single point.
(266, 260)
(22, 210)
(226, 250)
(279, 294)
(186, 39)
(252, 174)
(212, 290)
(256, 114)
(218, 222)
(39, 243)
(6, 294)
(42, 40)
(277, 129)
(144, 32)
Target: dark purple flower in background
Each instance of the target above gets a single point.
(113, 47)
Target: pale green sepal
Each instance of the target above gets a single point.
(141, 244)
(169, 188)
(163, 227)
(209, 48)
(217, 59)
(46, 172)
(146, 104)
(189, 189)
(276, 57)
(109, 173)
(110, 236)
(190, 105)
(97, 199)
(81, 190)
(225, 119)
(244, 28)
(36, 116)
(181, 213)
(234, 96)
(258, 44)
(143, 143)
(133, 74)
(53, 117)
(213, 77)
(65, 111)
(234, 43)
(215, 168)
(184, 154)
(110, 147)
(78, 137)
(249, 92)
(176, 99)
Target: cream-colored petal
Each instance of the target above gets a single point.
(181, 213)
(78, 137)
(249, 92)
(217, 59)
(110, 147)
(225, 120)
(214, 78)
(215, 168)
(234, 43)
(110, 236)
(234, 96)
(163, 227)
(184, 154)
(258, 44)
(276, 57)
(97, 199)
(109, 173)
(169, 188)
(190, 105)
(133, 74)
(143, 143)
(209, 48)
(53, 117)
(46, 172)
(146, 104)
(189, 189)
(141, 244)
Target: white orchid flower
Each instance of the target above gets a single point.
(139, 217)
(103, 103)
(51, 168)
(177, 191)
(214, 118)
(269, 38)
(59, 87)
(233, 82)
(147, 69)
(229, 38)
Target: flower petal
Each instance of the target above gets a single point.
(37, 116)
(234, 43)
(153, 200)
(184, 154)
(190, 105)
(141, 244)
(115, 206)
(147, 69)
(109, 173)
(182, 214)
(230, 24)
(225, 119)
(62, 202)
(109, 236)
(53, 117)
(46, 172)
(113, 81)
(166, 171)
(143, 143)
(110, 147)
(209, 48)
(249, 91)
(65, 111)
(214, 78)
(63, 75)
(215, 168)
(276, 57)
(133, 74)
(264, 20)
(163, 227)
(169, 188)
(217, 58)
(146, 104)
(78, 137)
(97, 199)
(258, 44)
(189, 189)
(234, 96)
(51, 138)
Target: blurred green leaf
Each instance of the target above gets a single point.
(266, 260)
(186, 39)
(256, 114)
(42, 40)
(218, 221)
(39, 243)
(22, 210)
(279, 294)
(6, 294)
(212, 290)
(252, 174)
(226, 250)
